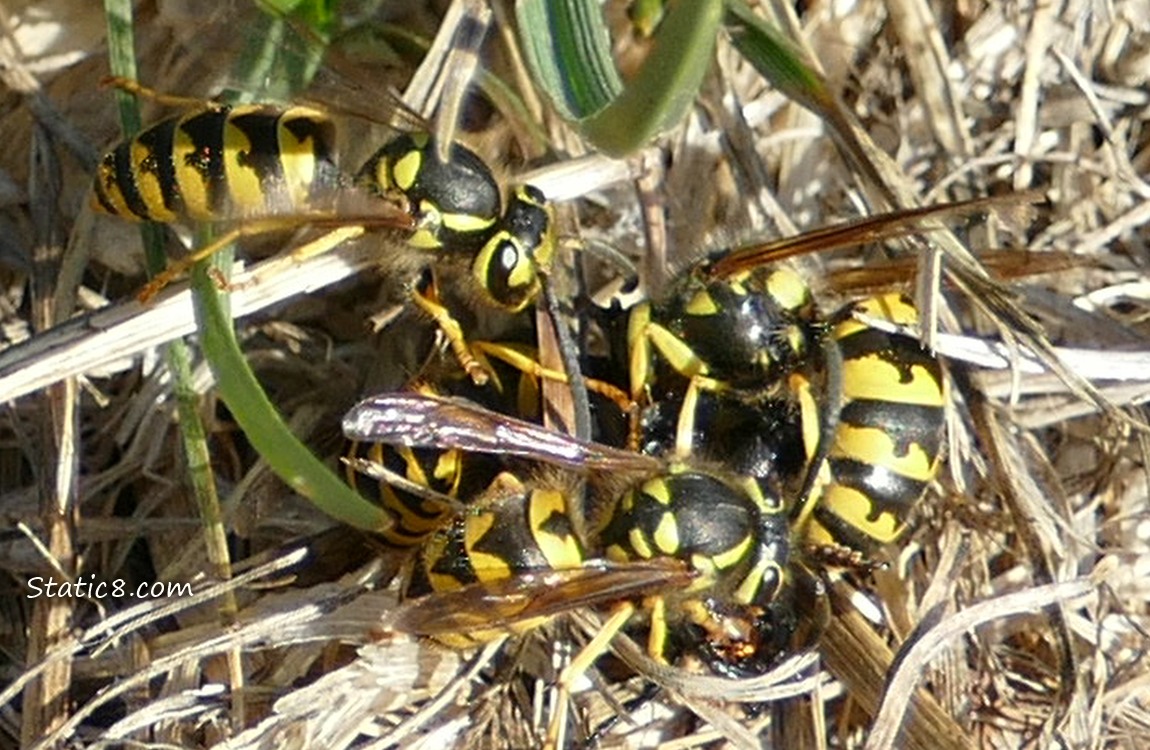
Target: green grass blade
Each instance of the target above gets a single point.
(270, 69)
(775, 57)
(666, 84)
(122, 61)
(290, 459)
(568, 50)
(262, 66)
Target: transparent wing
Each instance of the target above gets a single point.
(530, 595)
(444, 423)
(863, 231)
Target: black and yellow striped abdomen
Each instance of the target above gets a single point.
(219, 164)
(517, 532)
(888, 437)
(452, 474)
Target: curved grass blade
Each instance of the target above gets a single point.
(667, 82)
(569, 52)
(776, 58)
(567, 48)
(290, 459)
(273, 74)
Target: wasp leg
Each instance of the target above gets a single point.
(328, 241)
(426, 299)
(177, 268)
(643, 334)
(685, 425)
(139, 90)
(818, 425)
(181, 266)
(528, 365)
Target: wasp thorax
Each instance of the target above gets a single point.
(455, 203)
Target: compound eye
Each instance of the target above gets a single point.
(506, 272)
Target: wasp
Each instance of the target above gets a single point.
(845, 412)
(261, 167)
(853, 431)
(220, 163)
(516, 387)
(693, 557)
(265, 167)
